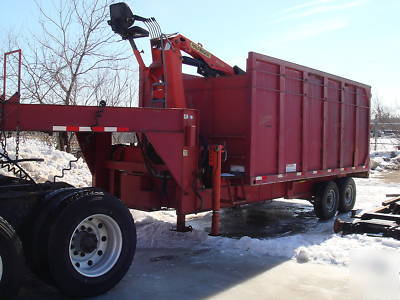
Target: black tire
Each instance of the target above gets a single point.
(12, 263)
(36, 248)
(347, 194)
(326, 200)
(84, 210)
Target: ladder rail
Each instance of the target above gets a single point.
(19, 52)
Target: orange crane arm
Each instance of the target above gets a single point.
(161, 83)
(207, 63)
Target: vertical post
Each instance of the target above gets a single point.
(19, 70)
(342, 123)
(375, 134)
(215, 162)
(282, 113)
(357, 127)
(306, 118)
(325, 123)
(4, 75)
(181, 223)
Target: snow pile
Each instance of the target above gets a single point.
(54, 162)
(385, 160)
(322, 248)
(385, 155)
(156, 230)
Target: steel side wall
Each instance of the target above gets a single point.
(281, 114)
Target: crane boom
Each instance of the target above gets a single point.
(207, 63)
(161, 83)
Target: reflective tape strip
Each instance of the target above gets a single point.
(90, 129)
(59, 128)
(97, 129)
(72, 128)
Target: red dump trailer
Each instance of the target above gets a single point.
(226, 138)
(282, 122)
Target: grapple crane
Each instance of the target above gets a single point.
(163, 79)
(222, 139)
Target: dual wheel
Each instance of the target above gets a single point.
(82, 242)
(11, 261)
(332, 196)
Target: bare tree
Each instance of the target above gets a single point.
(380, 111)
(76, 59)
(384, 121)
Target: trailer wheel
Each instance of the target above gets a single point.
(326, 200)
(11, 261)
(91, 245)
(347, 194)
(36, 250)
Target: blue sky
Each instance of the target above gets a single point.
(357, 39)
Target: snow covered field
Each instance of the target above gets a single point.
(282, 228)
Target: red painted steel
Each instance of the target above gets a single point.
(135, 119)
(284, 127)
(16, 96)
(161, 82)
(215, 153)
(196, 50)
(282, 122)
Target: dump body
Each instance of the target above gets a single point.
(283, 122)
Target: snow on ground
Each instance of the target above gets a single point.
(54, 162)
(317, 244)
(303, 237)
(385, 154)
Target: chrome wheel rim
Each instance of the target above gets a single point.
(348, 195)
(95, 245)
(331, 200)
(1, 268)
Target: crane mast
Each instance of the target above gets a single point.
(161, 83)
